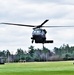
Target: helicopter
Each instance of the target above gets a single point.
(38, 34)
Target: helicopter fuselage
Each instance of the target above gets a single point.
(39, 36)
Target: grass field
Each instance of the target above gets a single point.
(38, 68)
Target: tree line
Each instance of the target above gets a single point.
(65, 52)
(23, 56)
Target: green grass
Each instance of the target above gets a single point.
(38, 68)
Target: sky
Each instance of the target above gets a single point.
(59, 12)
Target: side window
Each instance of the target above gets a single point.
(42, 32)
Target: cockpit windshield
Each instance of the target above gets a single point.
(38, 32)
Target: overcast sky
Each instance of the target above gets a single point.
(59, 12)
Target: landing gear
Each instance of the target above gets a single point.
(32, 40)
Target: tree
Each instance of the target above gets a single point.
(56, 50)
(68, 56)
(47, 53)
(1, 54)
(8, 53)
(37, 54)
(20, 55)
(31, 50)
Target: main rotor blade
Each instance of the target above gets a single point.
(57, 26)
(44, 22)
(41, 24)
(18, 24)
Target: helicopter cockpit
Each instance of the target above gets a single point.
(39, 32)
(39, 35)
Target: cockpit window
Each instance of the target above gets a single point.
(36, 32)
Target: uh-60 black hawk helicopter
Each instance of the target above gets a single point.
(38, 34)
